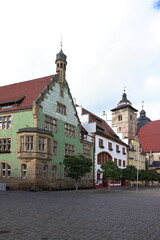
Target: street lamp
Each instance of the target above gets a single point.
(60, 164)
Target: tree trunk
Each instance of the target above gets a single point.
(77, 186)
(109, 184)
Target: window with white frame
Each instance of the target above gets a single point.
(53, 172)
(61, 108)
(26, 143)
(29, 143)
(69, 130)
(5, 170)
(55, 147)
(5, 145)
(50, 124)
(5, 122)
(69, 150)
(24, 170)
(41, 145)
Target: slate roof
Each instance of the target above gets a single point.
(149, 136)
(102, 127)
(142, 120)
(21, 95)
(124, 103)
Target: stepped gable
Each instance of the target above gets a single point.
(21, 95)
(102, 127)
(149, 136)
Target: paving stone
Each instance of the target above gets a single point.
(87, 215)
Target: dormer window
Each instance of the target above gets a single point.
(11, 103)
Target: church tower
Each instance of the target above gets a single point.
(61, 66)
(143, 119)
(124, 118)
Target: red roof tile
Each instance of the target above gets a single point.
(102, 125)
(149, 136)
(24, 92)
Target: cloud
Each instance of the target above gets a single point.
(108, 44)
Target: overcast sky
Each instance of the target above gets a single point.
(109, 44)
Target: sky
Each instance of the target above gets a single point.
(111, 45)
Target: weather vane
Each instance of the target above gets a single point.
(61, 41)
(142, 105)
(124, 87)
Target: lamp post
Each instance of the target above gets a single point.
(137, 171)
(60, 164)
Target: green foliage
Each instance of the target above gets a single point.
(143, 175)
(76, 167)
(129, 173)
(153, 175)
(111, 170)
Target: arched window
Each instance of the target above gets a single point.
(5, 170)
(131, 117)
(24, 170)
(119, 117)
(103, 157)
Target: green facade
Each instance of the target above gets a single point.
(25, 119)
(19, 120)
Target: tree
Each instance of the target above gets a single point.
(129, 173)
(153, 175)
(76, 167)
(111, 171)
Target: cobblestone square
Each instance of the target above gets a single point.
(87, 215)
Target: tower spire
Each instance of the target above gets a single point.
(61, 43)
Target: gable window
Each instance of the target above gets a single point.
(5, 170)
(5, 122)
(55, 147)
(5, 145)
(119, 117)
(61, 108)
(69, 150)
(50, 124)
(100, 129)
(101, 143)
(69, 130)
(23, 170)
(61, 91)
